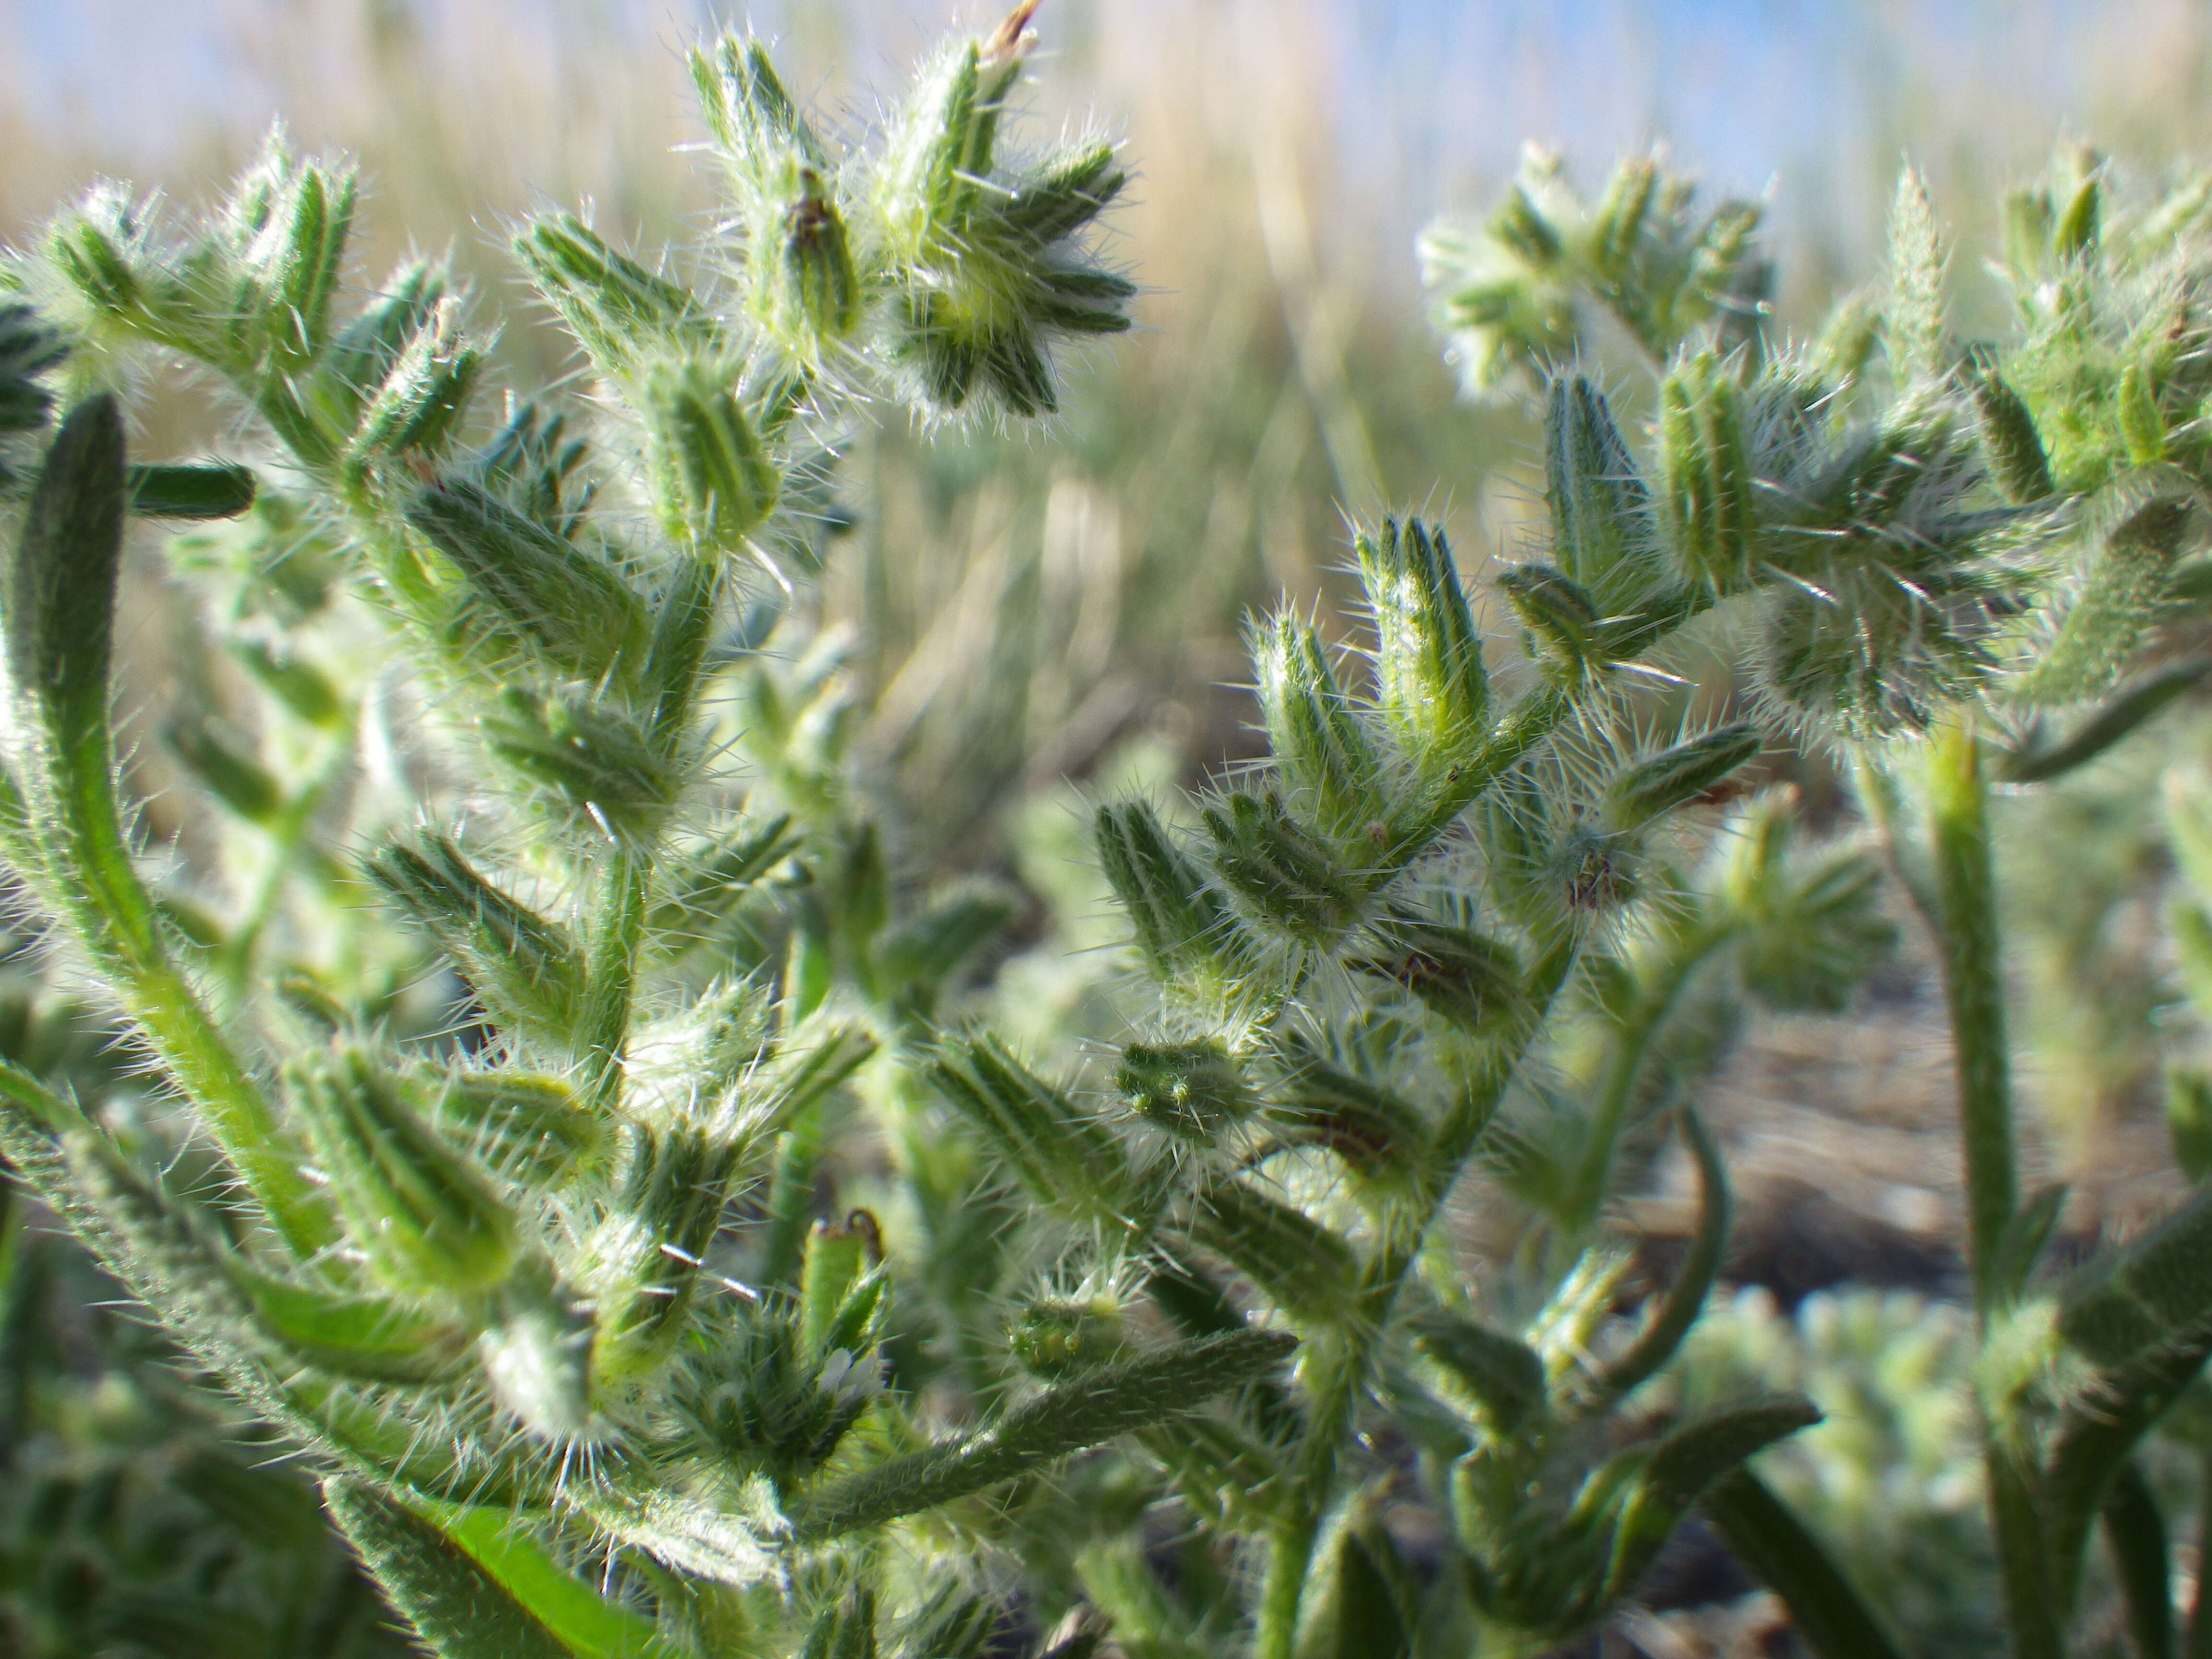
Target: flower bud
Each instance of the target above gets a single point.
(424, 1213)
(588, 757)
(1656, 785)
(1706, 484)
(818, 273)
(1056, 1338)
(1192, 1091)
(1320, 743)
(1276, 866)
(1603, 536)
(1428, 660)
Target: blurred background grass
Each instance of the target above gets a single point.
(1021, 607)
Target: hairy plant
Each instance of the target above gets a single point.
(489, 1126)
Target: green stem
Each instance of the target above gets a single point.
(2137, 1532)
(288, 846)
(791, 1197)
(1966, 934)
(2199, 1643)
(1338, 1363)
(1973, 982)
(611, 981)
(1784, 1554)
(1631, 1042)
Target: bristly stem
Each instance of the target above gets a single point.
(1973, 981)
(1974, 978)
(1340, 1362)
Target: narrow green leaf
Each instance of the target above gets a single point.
(1916, 283)
(2116, 718)
(454, 1604)
(1685, 1298)
(585, 1622)
(191, 492)
(1683, 1465)
(60, 639)
(2157, 1291)
(1085, 1412)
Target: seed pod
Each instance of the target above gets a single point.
(1461, 975)
(644, 1258)
(28, 350)
(425, 1214)
(1055, 1338)
(1183, 924)
(846, 1629)
(1559, 612)
(529, 1128)
(1658, 784)
(1707, 485)
(2009, 439)
(1276, 864)
(2120, 597)
(424, 395)
(818, 273)
(1616, 223)
(2157, 1289)
(1192, 1091)
(1067, 192)
(587, 756)
(1319, 740)
(1299, 1264)
(838, 1259)
(1520, 226)
(620, 312)
(89, 255)
(1498, 1376)
(1376, 1134)
(369, 345)
(714, 481)
(1063, 1155)
(2189, 1119)
(529, 585)
(525, 967)
(300, 258)
(236, 779)
(2143, 428)
(1428, 660)
(747, 110)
